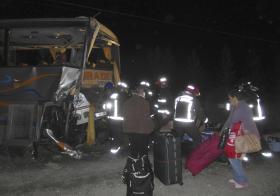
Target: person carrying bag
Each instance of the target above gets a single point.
(243, 137)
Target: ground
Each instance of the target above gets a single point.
(98, 174)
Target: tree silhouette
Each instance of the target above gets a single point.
(161, 61)
(275, 73)
(227, 67)
(254, 66)
(194, 68)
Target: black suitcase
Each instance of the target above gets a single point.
(167, 158)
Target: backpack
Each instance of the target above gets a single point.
(138, 176)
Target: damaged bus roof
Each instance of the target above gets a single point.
(50, 32)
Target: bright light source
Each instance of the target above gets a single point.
(122, 84)
(227, 106)
(114, 96)
(162, 100)
(116, 117)
(267, 154)
(260, 114)
(191, 87)
(143, 83)
(125, 85)
(258, 118)
(245, 158)
(163, 79)
(150, 93)
(164, 112)
(115, 150)
(107, 106)
(251, 105)
(206, 120)
(183, 120)
(184, 98)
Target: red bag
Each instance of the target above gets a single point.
(206, 153)
(230, 146)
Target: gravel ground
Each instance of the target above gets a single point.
(99, 175)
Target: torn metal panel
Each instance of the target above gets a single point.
(68, 81)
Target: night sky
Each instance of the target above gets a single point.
(216, 44)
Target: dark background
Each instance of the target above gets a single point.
(216, 44)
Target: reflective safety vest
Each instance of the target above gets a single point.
(112, 106)
(162, 106)
(184, 109)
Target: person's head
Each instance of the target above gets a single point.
(108, 86)
(140, 90)
(162, 82)
(193, 89)
(234, 97)
(122, 86)
(145, 84)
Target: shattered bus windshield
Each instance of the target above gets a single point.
(42, 46)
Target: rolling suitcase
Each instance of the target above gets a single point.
(206, 153)
(167, 158)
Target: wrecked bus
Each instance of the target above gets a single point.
(52, 71)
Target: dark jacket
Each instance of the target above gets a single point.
(198, 113)
(165, 93)
(136, 113)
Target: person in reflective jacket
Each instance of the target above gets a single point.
(148, 91)
(164, 103)
(250, 94)
(114, 105)
(189, 115)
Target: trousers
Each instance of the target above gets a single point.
(238, 172)
(138, 144)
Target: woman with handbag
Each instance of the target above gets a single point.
(240, 121)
